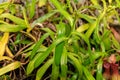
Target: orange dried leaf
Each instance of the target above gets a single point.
(112, 59)
(116, 34)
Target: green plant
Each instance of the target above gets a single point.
(70, 50)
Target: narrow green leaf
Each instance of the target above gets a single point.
(60, 46)
(86, 39)
(74, 77)
(62, 11)
(104, 5)
(75, 43)
(77, 64)
(40, 57)
(43, 18)
(68, 30)
(31, 65)
(118, 3)
(29, 50)
(25, 17)
(55, 72)
(52, 34)
(15, 19)
(102, 46)
(68, 2)
(32, 8)
(42, 69)
(11, 28)
(9, 67)
(88, 18)
(107, 43)
(36, 47)
(97, 55)
(47, 52)
(12, 9)
(3, 22)
(61, 30)
(99, 70)
(91, 28)
(4, 5)
(87, 74)
(58, 52)
(82, 28)
(95, 24)
(64, 65)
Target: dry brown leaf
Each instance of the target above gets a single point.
(116, 34)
